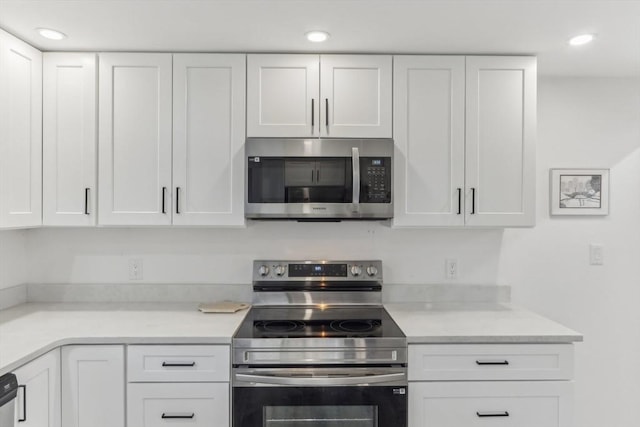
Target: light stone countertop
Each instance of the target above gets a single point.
(491, 323)
(30, 330)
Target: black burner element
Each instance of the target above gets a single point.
(355, 325)
(280, 326)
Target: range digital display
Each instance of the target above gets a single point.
(376, 162)
(315, 270)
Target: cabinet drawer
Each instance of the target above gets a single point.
(487, 404)
(490, 362)
(177, 405)
(178, 363)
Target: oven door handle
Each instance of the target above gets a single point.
(320, 381)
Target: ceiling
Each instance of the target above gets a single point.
(531, 27)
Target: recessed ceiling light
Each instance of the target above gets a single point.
(317, 36)
(581, 39)
(51, 34)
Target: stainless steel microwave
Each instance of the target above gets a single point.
(319, 179)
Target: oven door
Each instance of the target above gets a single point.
(343, 397)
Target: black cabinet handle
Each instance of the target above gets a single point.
(459, 201)
(24, 403)
(164, 195)
(326, 111)
(492, 362)
(318, 176)
(174, 364)
(177, 200)
(174, 416)
(473, 201)
(86, 201)
(492, 414)
(313, 114)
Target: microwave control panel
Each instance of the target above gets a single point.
(375, 179)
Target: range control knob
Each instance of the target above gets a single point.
(372, 270)
(356, 270)
(263, 270)
(280, 270)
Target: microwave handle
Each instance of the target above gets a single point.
(355, 159)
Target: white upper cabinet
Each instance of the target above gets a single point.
(429, 138)
(20, 133)
(500, 140)
(69, 139)
(208, 139)
(135, 139)
(283, 95)
(465, 141)
(339, 96)
(355, 92)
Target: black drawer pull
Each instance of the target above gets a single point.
(174, 416)
(174, 364)
(492, 414)
(492, 362)
(86, 201)
(24, 404)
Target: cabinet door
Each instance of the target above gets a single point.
(208, 139)
(331, 172)
(500, 141)
(20, 133)
(299, 173)
(38, 403)
(69, 139)
(135, 139)
(429, 140)
(490, 403)
(283, 95)
(355, 92)
(178, 405)
(93, 386)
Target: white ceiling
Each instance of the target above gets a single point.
(532, 27)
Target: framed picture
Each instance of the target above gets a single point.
(579, 192)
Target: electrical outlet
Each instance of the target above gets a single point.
(135, 269)
(596, 254)
(451, 268)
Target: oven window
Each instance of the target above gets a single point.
(321, 416)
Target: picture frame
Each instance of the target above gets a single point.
(579, 191)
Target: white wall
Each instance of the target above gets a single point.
(13, 258)
(582, 123)
(592, 123)
(225, 256)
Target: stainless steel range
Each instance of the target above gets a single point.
(318, 349)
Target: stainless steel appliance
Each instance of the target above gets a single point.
(318, 349)
(319, 179)
(8, 393)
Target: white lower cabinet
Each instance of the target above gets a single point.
(178, 385)
(93, 386)
(505, 385)
(490, 403)
(177, 404)
(38, 402)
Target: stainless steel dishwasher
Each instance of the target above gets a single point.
(8, 392)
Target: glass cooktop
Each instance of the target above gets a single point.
(316, 322)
